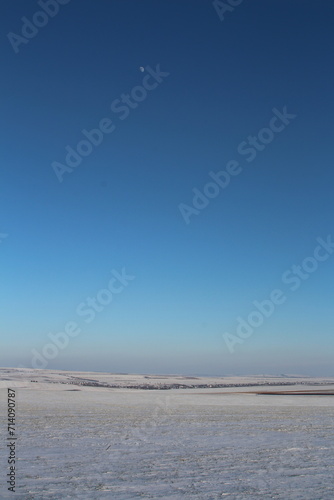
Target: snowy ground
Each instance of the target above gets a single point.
(78, 441)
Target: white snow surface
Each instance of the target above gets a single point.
(87, 442)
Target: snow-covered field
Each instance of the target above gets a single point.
(91, 442)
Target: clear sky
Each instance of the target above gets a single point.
(180, 89)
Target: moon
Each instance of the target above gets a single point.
(142, 69)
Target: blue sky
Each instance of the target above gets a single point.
(120, 207)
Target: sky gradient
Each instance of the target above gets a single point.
(222, 82)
